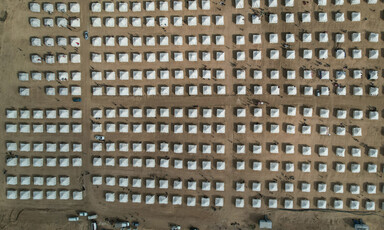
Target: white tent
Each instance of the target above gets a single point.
(321, 187)
(178, 164)
(74, 22)
(137, 162)
(150, 183)
(291, 90)
(321, 204)
(373, 37)
(61, 22)
(35, 41)
(275, 90)
(74, 7)
(338, 188)
(339, 38)
(274, 166)
(35, 58)
(219, 20)
(274, 128)
(272, 203)
(110, 57)
(340, 151)
(257, 166)
(11, 146)
(136, 182)
(239, 202)
(163, 21)
(356, 37)
(323, 151)
(205, 201)
(290, 54)
(274, 54)
(373, 91)
(340, 167)
(373, 54)
(355, 168)
(288, 204)
(10, 128)
(109, 22)
(307, 54)
(306, 17)
(323, 54)
(323, 37)
(354, 204)
(96, 22)
(272, 186)
(356, 131)
(191, 201)
(322, 17)
(48, 7)
(11, 180)
(308, 90)
(24, 162)
(136, 198)
(306, 37)
(322, 167)
(369, 205)
(77, 195)
(34, 7)
(24, 195)
(149, 199)
(289, 167)
(61, 41)
(355, 16)
(34, 22)
(110, 197)
(163, 199)
(61, 7)
(219, 202)
(63, 162)
(357, 114)
(338, 204)
(373, 75)
(372, 168)
(371, 189)
(340, 54)
(304, 204)
(306, 167)
(25, 180)
(305, 187)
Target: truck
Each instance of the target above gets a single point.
(73, 218)
(93, 225)
(82, 213)
(92, 216)
(121, 224)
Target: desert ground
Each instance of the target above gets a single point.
(15, 53)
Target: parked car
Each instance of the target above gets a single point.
(76, 99)
(99, 137)
(86, 35)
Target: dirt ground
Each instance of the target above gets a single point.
(15, 49)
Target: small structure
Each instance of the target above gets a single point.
(359, 225)
(265, 223)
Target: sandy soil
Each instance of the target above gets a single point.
(14, 53)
